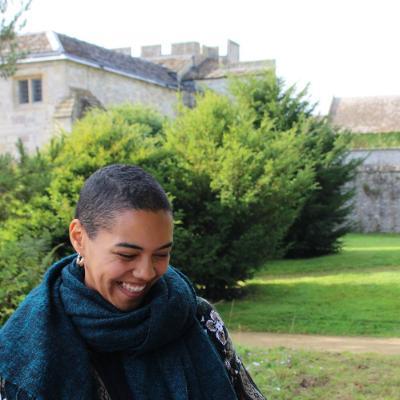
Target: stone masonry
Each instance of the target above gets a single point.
(377, 191)
(35, 123)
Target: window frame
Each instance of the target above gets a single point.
(34, 89)
(31, 90)
(23, 92)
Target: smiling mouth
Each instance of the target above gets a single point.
(131, 290)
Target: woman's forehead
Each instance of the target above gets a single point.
(135, 226)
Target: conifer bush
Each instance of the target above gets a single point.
(323, 218)
(248, 185)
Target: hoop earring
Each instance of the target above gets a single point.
(80, 260)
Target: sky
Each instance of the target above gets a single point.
(340, 48)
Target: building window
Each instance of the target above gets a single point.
(36, 90)
(30, 90)
(23, 92)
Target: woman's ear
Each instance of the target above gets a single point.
(77, 235)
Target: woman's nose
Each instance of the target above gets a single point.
(145, 270)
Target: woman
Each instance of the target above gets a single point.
(116, 321)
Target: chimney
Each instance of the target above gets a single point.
(188, 48)
(152, 51)
(232, 55)
(210, 52)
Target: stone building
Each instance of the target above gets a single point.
(377, 191)
(377, 182)
(366, 114)
(61, 77)
(199, 67)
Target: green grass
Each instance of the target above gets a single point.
(283, 374)
(355, 292)
(375, 140)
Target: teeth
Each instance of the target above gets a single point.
(132, 288)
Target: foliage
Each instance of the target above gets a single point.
(11, 22)
(248, 183)
(44, 187)
(375, 140)
(322, 221)
(25, 238)
(22, 265)
(21, 178)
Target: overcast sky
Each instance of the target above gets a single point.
(341, 47)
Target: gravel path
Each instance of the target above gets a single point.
(336, 344)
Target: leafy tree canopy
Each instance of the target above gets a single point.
(11, 21)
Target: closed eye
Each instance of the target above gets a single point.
(161, 255)
(127, 256)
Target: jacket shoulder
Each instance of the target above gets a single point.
(218, 334)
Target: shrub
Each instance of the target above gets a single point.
(21, 178)
(323, 218)
(248, 185)
(22, 265)
(35, 229)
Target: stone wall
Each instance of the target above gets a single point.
(34, 123)
(219, 85)
(111, 88)
(31, 122)
(377, 191)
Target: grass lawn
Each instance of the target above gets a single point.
(375, 140)
(355, 292)
(283, 374)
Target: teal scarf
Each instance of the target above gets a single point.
(44, 346)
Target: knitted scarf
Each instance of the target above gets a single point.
(44, 346)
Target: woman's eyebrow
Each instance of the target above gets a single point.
(136, 247)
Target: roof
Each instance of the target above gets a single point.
(366, 114)
(211, 68)
(175, 64)
(55, 46)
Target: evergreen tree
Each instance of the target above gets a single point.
(245, 187)
(323, 218)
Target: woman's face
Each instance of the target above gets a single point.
(123, 262)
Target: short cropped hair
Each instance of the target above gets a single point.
(117, 188)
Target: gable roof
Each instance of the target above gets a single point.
(47, 46)
(366, 114)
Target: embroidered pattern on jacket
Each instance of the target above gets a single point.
(216, 325)
(213, 325)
